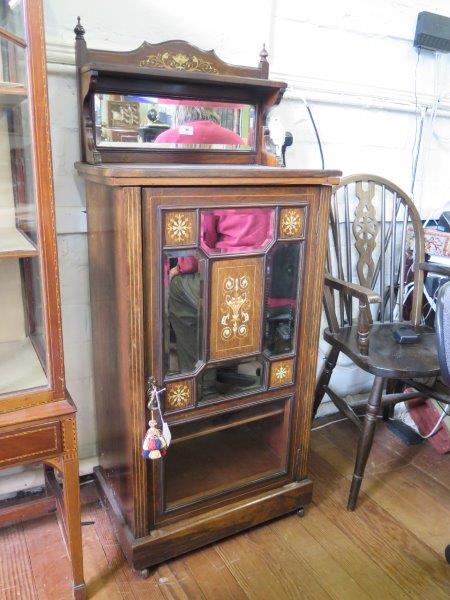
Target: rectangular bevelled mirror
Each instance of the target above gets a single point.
(159, 123)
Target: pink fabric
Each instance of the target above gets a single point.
(276, 302)
(231, 230)
(236, 229)
(200, 132)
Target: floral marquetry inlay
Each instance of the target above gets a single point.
(180, 228)
(291, 222)
(236, 307)
(234, 322)
(281, 372)
(178, 61)
(178, 395)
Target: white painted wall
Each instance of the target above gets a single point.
(352, 60)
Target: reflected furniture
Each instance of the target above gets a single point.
(373, 287)
(37, 416)
(203, 275)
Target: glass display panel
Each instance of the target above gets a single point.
(20, 356)
(237, 377)
(23, 352)
(282, 273)
(126, 121)
(11, 17)
(183, 285)
(225, 452)
(231, 230)
(31, 272)
(17, 196)
(12, 69)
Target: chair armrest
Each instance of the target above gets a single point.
(353, 289)
(430, 267)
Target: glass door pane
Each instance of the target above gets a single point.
(11, 17)
(23, 350)
(226, 452)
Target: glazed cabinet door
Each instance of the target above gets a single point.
(224, 274)
(26, 216)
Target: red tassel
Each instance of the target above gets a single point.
(154, 445)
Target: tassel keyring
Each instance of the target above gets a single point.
(156, 440)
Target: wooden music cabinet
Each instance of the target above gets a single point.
(206, 271)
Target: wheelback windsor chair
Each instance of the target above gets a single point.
(373, 284)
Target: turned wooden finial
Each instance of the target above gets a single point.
(263, 62)
(79, 30)
(262, 55)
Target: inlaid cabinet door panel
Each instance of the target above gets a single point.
(224, 288)
(224, 272)
(236, 306)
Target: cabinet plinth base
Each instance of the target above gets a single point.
(197, 531)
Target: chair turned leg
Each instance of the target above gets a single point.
(365, 440)
(324, 379)
(393, 386)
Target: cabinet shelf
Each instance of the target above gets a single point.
(14, 244)
(20, 368)
(11, 93)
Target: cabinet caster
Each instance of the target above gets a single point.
(144, 573)
(301, 512)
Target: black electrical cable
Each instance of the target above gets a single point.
(413, 150)
(317, 135)
(416, 158)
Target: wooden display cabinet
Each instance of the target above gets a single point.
(37, 417)
(206, 274)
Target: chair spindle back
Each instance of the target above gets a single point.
(376, 240)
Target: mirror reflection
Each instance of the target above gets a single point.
(232, 230)
(238, 377)
(183, 289)
(282, 272)
(173, 123)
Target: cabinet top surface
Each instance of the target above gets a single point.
(127, 172)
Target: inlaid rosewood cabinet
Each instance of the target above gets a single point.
(37, 416)
(206, 274)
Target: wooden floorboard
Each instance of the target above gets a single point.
(16, 574)
(391, 547)
(43, 538)
(400, 488)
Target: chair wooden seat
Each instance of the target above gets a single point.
(386, 357)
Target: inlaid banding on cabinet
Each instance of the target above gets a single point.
(180, 228)
(236, 304)
(27, 444)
